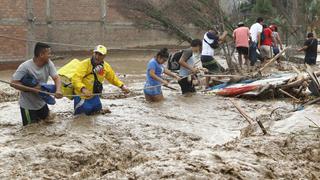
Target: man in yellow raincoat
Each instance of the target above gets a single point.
(88, 80)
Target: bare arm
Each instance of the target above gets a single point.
(279, 41)
(259, 39)
(303, 48)
(157, 78)
(168, 72)
(183, 63)
(18, 85)
(57, 83)
(223, 37)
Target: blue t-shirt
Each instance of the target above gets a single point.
(158, 69)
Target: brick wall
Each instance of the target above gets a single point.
(80, 22)
(12, 23)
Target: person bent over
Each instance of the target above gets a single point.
(88, 82)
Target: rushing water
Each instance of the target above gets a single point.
(173, 138)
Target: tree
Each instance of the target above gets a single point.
(263, 7)
(313, 12)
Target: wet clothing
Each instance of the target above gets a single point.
(34, 116)
(87, 106)
(311, 51)
(211, 64)
(159, 70)
(207, 53)
(187, 54)
(89, 77)
(152, 91)
(186, 85)
(31, 100)
(83, 77)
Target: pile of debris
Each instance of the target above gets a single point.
(293, 83)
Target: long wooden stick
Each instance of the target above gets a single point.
(49, 93)
(74, 95)
(312, 121)
(286, 93)
(28, 88)
(221, 76)
(248, 118)
(243, 114)
(272, 60)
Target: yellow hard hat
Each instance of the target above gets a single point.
(100, 49)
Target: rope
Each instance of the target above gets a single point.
(74, 45)
(94, 94)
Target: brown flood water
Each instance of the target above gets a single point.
(196, 137)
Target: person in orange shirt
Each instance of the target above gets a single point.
(241, 37)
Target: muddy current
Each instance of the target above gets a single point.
(197, 137)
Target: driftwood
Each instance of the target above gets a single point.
(297, 83)
(248, 118)
(312, 122)
(288, 94)
(243, 114)
(270, 62)
(222, 76)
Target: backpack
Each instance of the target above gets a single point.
(173, 62)
(66, 72)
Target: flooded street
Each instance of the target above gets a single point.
(196, 137)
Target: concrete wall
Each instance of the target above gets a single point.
(80, 22)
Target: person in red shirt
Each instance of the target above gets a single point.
(266, 43)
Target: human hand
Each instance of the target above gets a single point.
(125, 89)
(178, 78)
(165, 83)
(195, 70)
(58, 94)
(86, 92)
(205, 70)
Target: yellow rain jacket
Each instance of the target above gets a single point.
(83, 76)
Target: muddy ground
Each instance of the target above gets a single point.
(198, 137)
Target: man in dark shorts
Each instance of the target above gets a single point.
(211, 40)
(35, 72)
(311, 49)
(241, 38)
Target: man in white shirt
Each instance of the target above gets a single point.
(211, 41)
(255, 36)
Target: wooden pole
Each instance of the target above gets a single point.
(248, 118)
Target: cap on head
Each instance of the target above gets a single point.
(240, 24)
(272, 27)
(100, 49)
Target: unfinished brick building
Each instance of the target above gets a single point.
(78, 22)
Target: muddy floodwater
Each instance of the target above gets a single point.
(197, 137)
